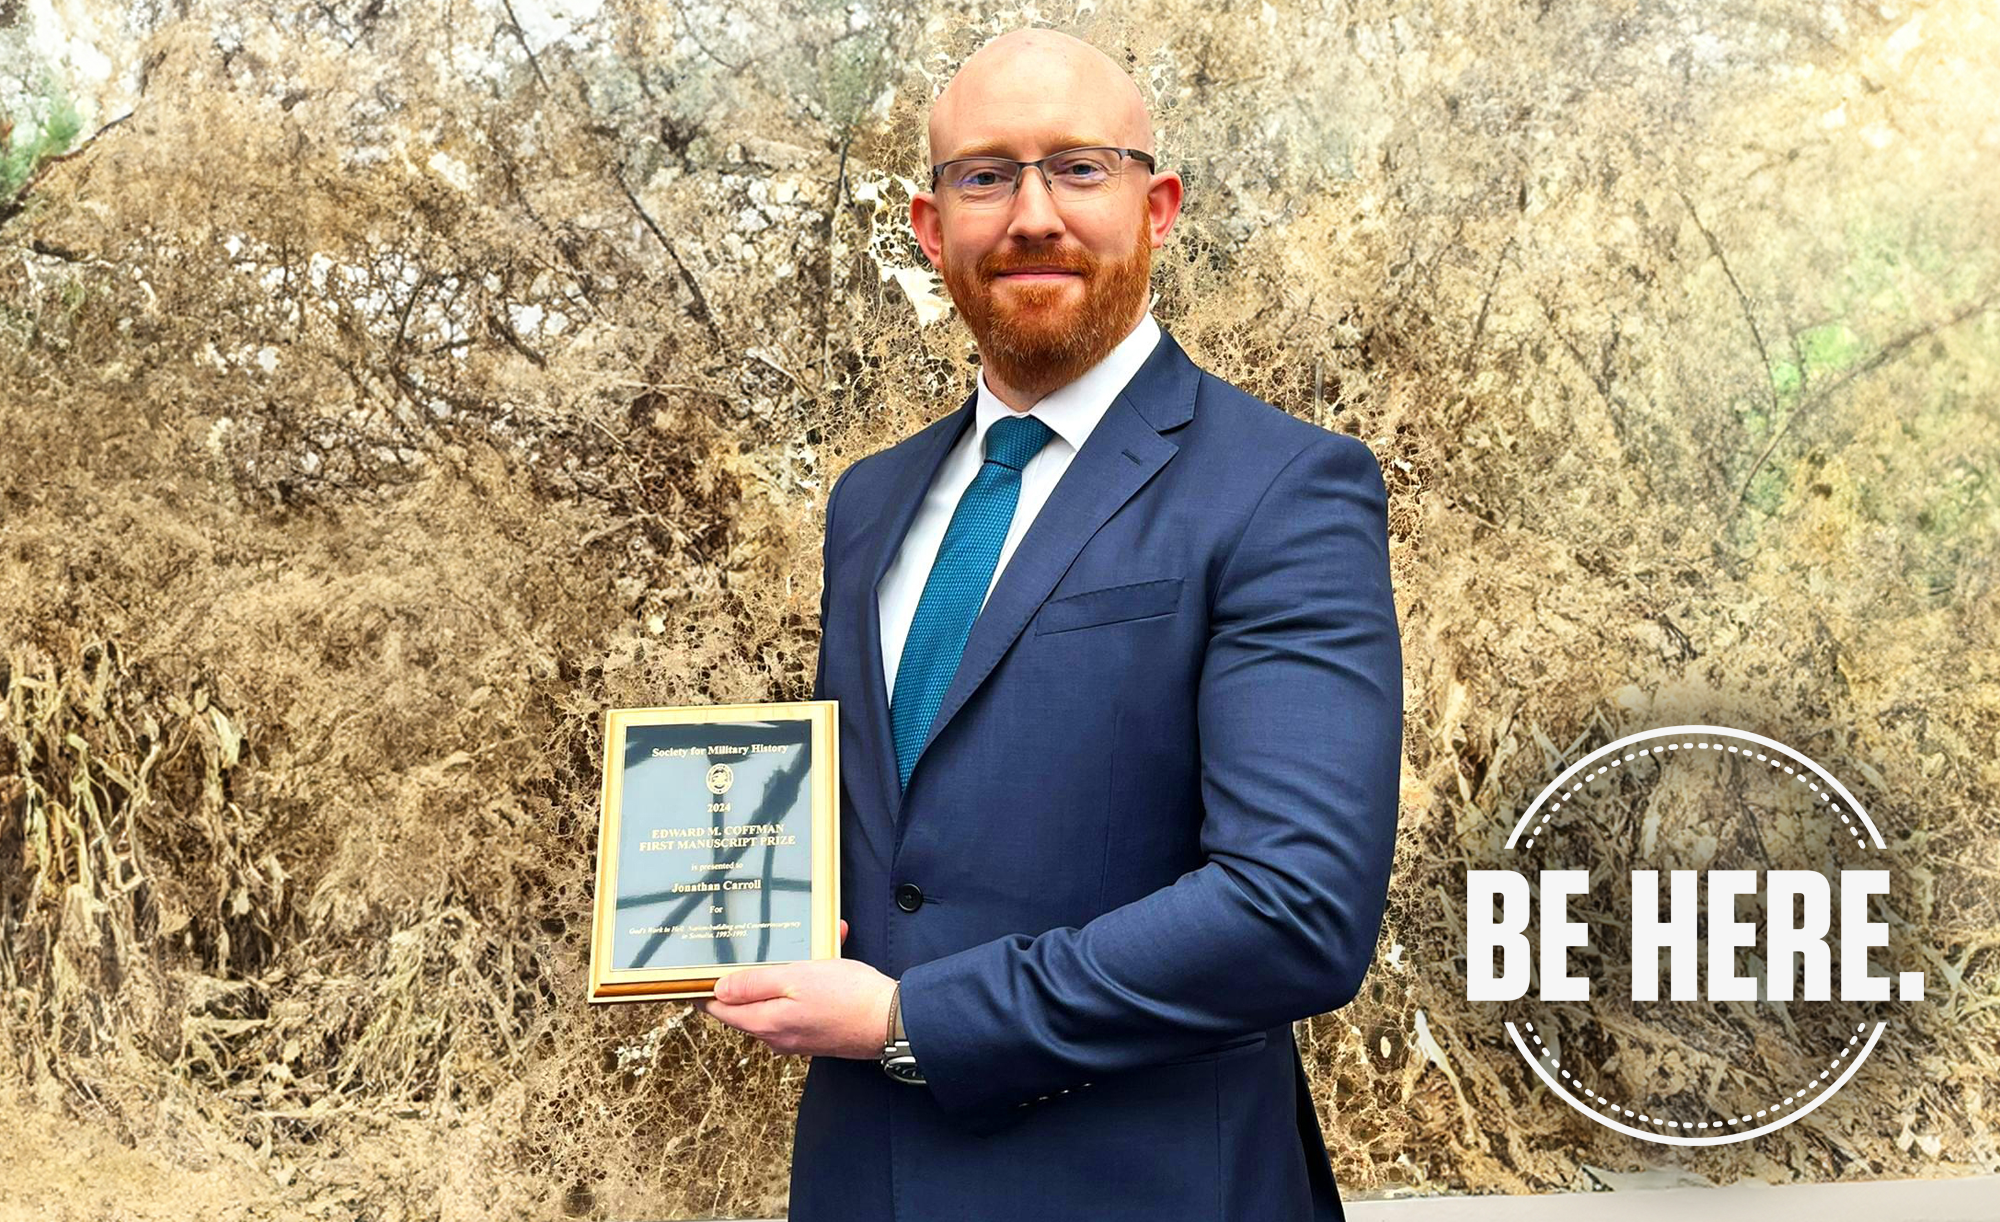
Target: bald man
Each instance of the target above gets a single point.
(1120, 711)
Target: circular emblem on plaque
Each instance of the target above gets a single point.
(720, 778)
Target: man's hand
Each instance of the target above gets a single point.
(826, 1008)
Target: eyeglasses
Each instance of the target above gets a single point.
(1073, 174)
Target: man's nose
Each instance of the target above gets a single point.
(1034, 206)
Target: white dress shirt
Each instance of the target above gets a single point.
(1070, 411)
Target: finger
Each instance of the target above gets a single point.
(759, 984)
(762, 1019)
(843, 931)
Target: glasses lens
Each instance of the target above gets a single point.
(979, 181)
(1083, 171)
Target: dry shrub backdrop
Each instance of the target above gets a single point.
(386, 389)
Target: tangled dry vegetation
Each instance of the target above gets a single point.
(392, 392)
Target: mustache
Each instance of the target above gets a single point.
(1069, 260)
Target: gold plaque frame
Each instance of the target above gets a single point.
(684, 981)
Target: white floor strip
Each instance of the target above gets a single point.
(1962, 1200)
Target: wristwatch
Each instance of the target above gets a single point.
(898, 1061)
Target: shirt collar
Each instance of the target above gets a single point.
(1073, 410)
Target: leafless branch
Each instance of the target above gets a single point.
(1888, 352)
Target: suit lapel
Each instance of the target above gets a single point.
(910, 486)
(1122, 453)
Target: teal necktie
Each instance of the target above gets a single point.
(957, 585)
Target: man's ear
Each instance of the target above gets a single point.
(928, 226)
(1163, 205)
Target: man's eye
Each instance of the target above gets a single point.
(1083, 171)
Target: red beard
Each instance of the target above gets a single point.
(1037, 336)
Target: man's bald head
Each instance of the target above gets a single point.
(1032, 92)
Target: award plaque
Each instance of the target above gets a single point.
(718, 848)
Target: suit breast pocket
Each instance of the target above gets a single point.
(1110, 605)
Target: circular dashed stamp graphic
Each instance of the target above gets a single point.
(1680, 934)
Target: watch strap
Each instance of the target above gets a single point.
(898, 1061)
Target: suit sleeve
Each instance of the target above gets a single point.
(1300, 718)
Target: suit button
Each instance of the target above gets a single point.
(909, 897)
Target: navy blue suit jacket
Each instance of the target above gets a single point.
(1151, 827)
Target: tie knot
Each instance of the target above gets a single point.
(1013, 441)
